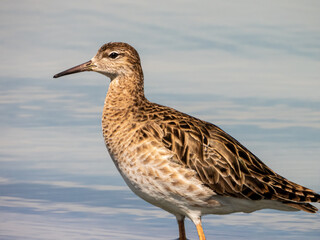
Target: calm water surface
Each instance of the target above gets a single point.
(251, 69)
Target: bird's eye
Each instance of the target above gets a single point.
(113, 55)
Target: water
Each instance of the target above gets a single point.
(251, 69)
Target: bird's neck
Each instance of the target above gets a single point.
(125, 92)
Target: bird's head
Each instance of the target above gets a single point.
(112, 60)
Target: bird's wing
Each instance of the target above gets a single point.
(223, 164)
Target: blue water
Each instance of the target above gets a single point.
(251, 69)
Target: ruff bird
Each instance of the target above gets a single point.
(184, 165)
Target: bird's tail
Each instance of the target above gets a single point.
(294, 195)
(307, 207)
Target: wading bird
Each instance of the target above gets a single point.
(177, 162)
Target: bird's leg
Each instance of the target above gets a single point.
(200, 231)
(182, 231)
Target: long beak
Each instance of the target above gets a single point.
(87, 66)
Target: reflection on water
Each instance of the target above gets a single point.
(256, 77)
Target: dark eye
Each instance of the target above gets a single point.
(113, 55)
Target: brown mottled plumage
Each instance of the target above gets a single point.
(184, 165)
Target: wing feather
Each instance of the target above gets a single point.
(222, 163)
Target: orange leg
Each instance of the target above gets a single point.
(200, 232)
(182, 231)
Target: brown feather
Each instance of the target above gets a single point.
(222, 163)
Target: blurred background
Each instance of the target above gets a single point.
(250, 67)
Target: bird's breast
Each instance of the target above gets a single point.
(146, 166)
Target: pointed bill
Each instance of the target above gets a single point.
(87, 66)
